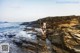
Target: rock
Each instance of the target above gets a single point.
(62, 32)
(77, 48)
(10, 36)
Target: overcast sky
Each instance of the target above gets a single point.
(29, 10)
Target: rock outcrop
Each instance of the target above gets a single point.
(63, 32)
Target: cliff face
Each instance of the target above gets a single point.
(63, 32)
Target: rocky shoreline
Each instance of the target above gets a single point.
(62, 36)
(63, 33)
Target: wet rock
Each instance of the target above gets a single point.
(17, 41)
(10, 36)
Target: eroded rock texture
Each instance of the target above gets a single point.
(63, 34)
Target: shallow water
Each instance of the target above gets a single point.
(7, 32)
(10, 29)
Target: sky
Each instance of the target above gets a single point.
(30, 10)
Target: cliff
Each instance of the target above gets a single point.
(63, 32)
